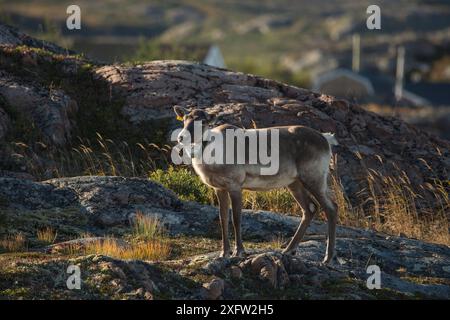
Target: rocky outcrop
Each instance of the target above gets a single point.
(138, 96)
(107, 205)
(367, 141)
(13, 37)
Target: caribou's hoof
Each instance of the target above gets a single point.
(327, 261)
(238, 253)
(225, 254)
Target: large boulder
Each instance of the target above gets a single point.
(127, 102)
(13, 37)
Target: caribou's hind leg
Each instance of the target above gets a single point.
(309, 208)
(322, 194)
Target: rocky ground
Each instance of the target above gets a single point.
(49, 98)
(104, 206)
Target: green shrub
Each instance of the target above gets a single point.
(185, 184)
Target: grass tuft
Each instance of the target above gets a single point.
(47, 235)
(185, 184)
(147, 228)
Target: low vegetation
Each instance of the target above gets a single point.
(185, 184)
(147, 228)
(147, 241)
(104, 157)
(13, 243)
(391, 205)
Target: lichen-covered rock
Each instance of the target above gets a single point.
(213, 290)
(268, 268)
(81, 204)
(235, 272)
(116, 200)
(49, 110)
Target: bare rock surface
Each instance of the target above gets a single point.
(408, 267)
(140, 96)
(14, 37)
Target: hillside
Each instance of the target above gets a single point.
(108, 205)
(79, 138)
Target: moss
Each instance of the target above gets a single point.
(185, 184)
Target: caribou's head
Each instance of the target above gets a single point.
(191, 119)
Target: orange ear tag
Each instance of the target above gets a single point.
(179, 118)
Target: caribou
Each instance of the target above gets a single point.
(304, 157)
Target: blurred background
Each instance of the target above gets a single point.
(401, 70)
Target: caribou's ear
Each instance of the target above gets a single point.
(180, 112)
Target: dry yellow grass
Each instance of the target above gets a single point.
(279, 200)
(390, 203)
(146, 227)
(149, 250)
(394, 208)
(47, 235)
(13, 243)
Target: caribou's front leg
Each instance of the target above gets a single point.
(236, 204)
(224, 206)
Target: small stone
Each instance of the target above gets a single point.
(139, 292)
(236, 272)
(214, 289)
(148, 295)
